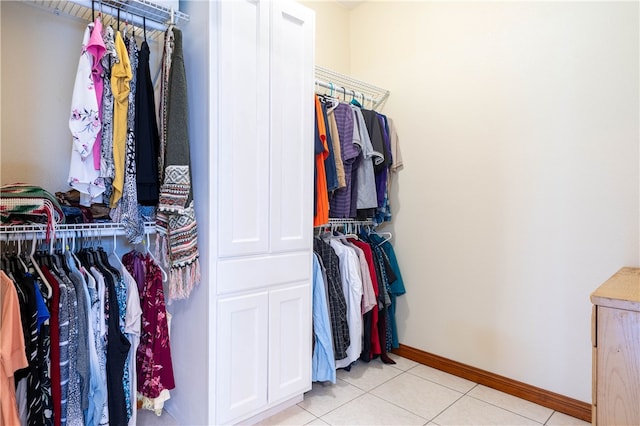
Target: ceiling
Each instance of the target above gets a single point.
(349, 4)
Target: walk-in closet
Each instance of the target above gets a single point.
(330, 212)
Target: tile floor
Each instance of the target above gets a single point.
(408, 393)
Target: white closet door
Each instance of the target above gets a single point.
(289, 342)
(241, 384)
(243, 155)
(292, 126)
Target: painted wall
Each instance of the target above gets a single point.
(519, 125)
(332, 34)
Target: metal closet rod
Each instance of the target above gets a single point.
(104, 229)
(339, 222)
(345, 91)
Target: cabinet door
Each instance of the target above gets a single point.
(241, 384)
(292, 126)
(243, 153)
(289, 342)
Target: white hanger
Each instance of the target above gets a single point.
(114, 254)
(24, 265)
(37, 267)
(147, 245)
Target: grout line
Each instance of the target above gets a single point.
(346, 402)
(402, 408)
(506, 409)
(378, 385)
(445, 386)
(549, 418)
(447, 407)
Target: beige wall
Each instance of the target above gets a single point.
(519, 196)
(332, 34)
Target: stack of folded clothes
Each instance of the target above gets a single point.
(21, 203)
(75, 213)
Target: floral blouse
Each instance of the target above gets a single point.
(84, 124)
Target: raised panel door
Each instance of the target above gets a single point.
(243, 133)
(242, 332)
(292, 126)
(289, 342)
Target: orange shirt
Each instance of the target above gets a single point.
(322, 200)
(12, 350)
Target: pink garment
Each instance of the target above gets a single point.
(97, 49)
(12, 350)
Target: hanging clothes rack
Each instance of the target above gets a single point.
(350, 88)
(135, 12)
(106, 229)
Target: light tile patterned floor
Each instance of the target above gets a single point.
(411, 394)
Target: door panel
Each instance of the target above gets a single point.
(292, 126)
(242, 355)
(289, 342)
(243, 161)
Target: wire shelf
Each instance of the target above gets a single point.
(131, 11)
(350, 87)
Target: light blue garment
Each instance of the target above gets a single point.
(324, 366)
(97, 387)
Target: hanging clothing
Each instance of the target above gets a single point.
(126, 212)
(323, 362)
(154, 365)
(321, 155)
(97, 49)
(366, 187)
(330, 162)
(340, 202)
(12, 349)
(54, 323)
(337, 150)
(85, 125)
(107, 165)
(146, 133)
(120, 77)
(133, 326)
(352, 288)
(176, 218)
(335, 297)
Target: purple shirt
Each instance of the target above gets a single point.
(340, 201)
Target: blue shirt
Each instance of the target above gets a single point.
(323, 362)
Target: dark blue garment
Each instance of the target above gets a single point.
(41, 307)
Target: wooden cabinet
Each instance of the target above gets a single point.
(616, 350)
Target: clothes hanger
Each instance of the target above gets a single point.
(37, 268)
(354, 101)
(147, 244)
(114, 254)
(24, 265)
